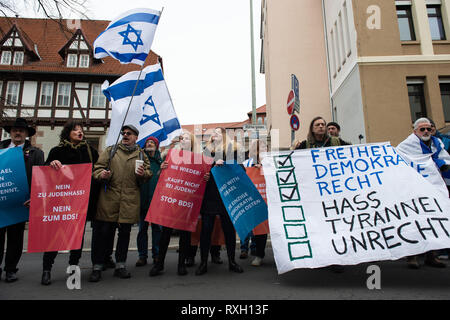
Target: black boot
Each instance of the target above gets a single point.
(182, 271)
(46, 278)
(202, 268)
(233, 266)
(157, 269)
(95, 276)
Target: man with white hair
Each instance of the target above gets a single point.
(422, 147)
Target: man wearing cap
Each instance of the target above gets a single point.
(19, 131)
(334, 130)
(419, 143)
(147, 190)
(119, 200)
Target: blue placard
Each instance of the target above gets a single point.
(244, 203)
(14, 189)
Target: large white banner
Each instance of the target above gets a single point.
(348, 205)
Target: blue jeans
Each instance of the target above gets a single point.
(246, 241)
(142, 238)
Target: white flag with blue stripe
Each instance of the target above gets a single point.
(129, 37)
(151, 110)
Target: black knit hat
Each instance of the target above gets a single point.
(21, 123)
(334, 124)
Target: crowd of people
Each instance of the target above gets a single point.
(121, 195)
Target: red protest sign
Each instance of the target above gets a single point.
(178, 196)
(58, 207)
(257, 177)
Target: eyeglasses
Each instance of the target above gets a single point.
(423, 129)
(126, 133)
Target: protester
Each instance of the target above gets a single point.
(184, 142)
(33, 156)
(318, 136)
(445, 138)
(119, 200)
(334, 130)
(147, 189)
(420, 142)
(212, 204)
(72, 149)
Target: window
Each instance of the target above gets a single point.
(63, 94)
(18, 58)
(72, 60)
(84, 61)
(405, 23)
(78, 53)
(98, 98)
(416, 100)
(12, 93)
(445, 96)
(46, 94)
(6, 57)
(435, 20)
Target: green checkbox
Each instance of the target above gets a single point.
(289, 193)
(299, 250)
(293, 214)
(295, 231)
(284, 161)
(286, 177)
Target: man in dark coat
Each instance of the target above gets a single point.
(33, 156)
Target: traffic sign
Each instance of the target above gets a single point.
(296, 87)
(291, 102)
(295, 122)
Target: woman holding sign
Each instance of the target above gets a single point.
(185, 142)
(212, 204)
(319, 138)
(72, 149)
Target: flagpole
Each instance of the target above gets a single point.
(124, 118)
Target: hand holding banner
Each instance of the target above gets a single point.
(13, 187)
(59, 201)
(179, 193)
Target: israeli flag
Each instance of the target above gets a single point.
(129, 37)
(151, 110)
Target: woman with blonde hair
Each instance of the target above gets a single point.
(183, 142)
(212, 205)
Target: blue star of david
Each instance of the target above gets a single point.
(126, 39)
(154, 117)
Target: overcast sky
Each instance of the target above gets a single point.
(205, 45)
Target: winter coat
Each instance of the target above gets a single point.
(120, 200)
(32, 156)
(67, 153)
(148, 188)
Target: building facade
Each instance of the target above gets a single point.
(387, 63)
(48, 75)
